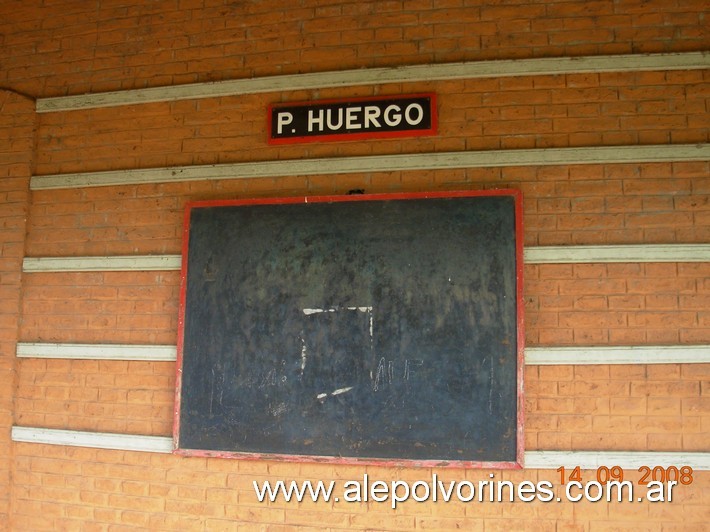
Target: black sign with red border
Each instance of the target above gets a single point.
(353, 119)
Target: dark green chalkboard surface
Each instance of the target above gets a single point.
(364, 328)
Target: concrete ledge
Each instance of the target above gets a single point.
(102, 264)
(97, 440)
(533, 459)
(659, 354)
(146, 353)
(379, 163)
(534, 356)
(379, 76)
(532, 255)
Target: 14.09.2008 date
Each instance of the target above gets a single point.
(682, 475)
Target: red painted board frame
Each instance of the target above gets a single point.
(469, 464)
(424, 132)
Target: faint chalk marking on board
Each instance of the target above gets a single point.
(220, 388)
(310, 312)
(323, 396)
(387, 372)
(304, 355)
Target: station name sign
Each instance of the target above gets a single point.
(362, 118)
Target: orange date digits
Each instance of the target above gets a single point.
(684, 475)
(606, 474)
(575, 475)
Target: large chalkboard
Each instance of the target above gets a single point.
(353, 328)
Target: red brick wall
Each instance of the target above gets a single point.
(75, 47)
(17, 119)
(51, 49)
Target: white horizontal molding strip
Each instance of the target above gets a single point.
(152, 353)
(624, 459)
(379, 76)
(618, 253)
(676, 354)
(380, 163)
(97, 440)
(532, 255)
(104, 264)
(663, 354)
(533, 459)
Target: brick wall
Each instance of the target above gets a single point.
(75, 47)
(17, 120)
(56, 49)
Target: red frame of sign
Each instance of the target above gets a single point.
(520, 447)
(354, 136)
